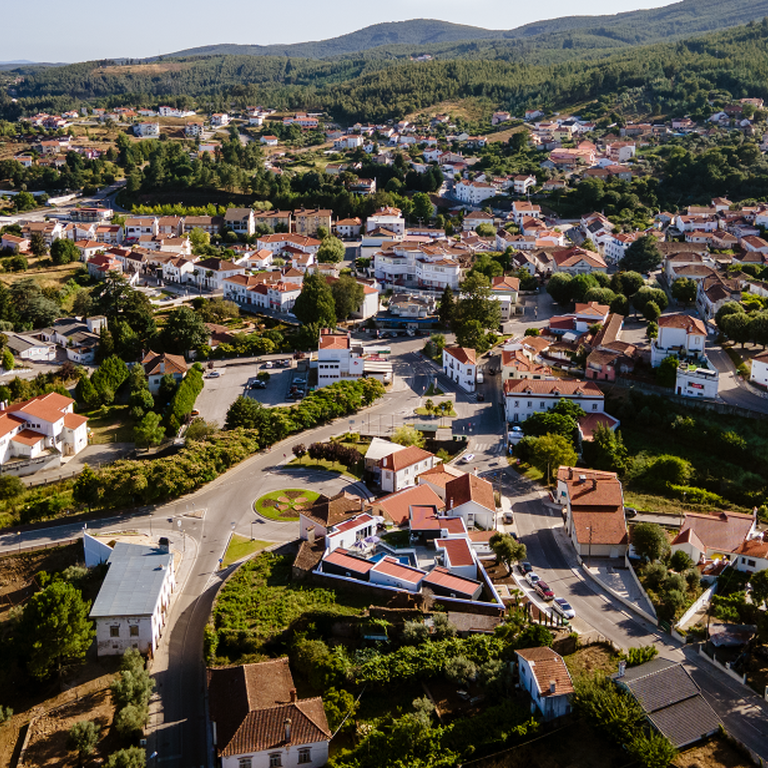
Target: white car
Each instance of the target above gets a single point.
(532, 577)
(563, 607)
(214, 374)
(466, 459)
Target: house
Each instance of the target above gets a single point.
(474, 219)
(680, 335)
(460, 365)
(131, 608)
(438, 477)
(594, 511)
(45, 423)
(703, 537)
(671, 700)
(78, 337)
(402, 468)
(390, 219)
(397, 506)
(327, 512)
(524, 397)
(523, 182)
(348, 228)
(258, 720)
(516, 364)
(14, 244)
(147, 130)
(471, 498)
(27, 347)
(751, 555)
(505, 290)
(156, 365)
(210, 273)
(577, 261)
(474, 192)
(543, 673)
(308, 221)
(338, 358)
(759, 371)
(240, 220)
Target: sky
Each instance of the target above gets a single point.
(80, 31)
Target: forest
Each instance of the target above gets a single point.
(662, 79)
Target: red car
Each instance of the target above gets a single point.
(542, 588)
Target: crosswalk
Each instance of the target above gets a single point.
(494, 448)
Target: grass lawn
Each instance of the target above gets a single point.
(112, 426)
(240, 547)
(284, 505)
(424, 412)
(660, 505)
(326, 465)
(433, 391)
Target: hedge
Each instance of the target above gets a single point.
(183, 400)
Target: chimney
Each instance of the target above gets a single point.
(552, 686)
(293, 696)
(594, 483)
(287, 728)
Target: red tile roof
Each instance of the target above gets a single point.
(330, 341)
(50, 407)
(724, 532)
(391, 567)
(396, 506)
(74, 420)
(680, 320)
(464, 355)
(341, 558)
(459, 551)
(563, 387)
(250, 704)
(405, 458)
(28, 437)
(753, 548)
(424, 517)
(548, 667)
(442, 577)
(156, 363)
(469, 487)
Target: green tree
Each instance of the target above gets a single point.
(183, 331)
(627, 283)
(650, 541)
(549, 452)
(606, 450)
(559, 287)
(133, 757)
(759, 583)
(422, 207)
(684, 290)
(8, 361)
(54, 630)
(339, 704)
(86, 393)
(736, 327)
(315, 304)
(10, 487)
(646, 295)
(149, 431)
(642, 256)
(729, 308)
(82, 738)
(87, 488)
(406, 435)
(666, 373)
(64, 251)
(507, 549)
(476, 313)
(651, 312)
(348, 295)
(37, 245)
(331, 251)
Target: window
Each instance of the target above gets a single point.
(305, 755)
(594, 406)
(751, 563)
(275, 760)
(245, 762)
(134, 630)
(114, 631)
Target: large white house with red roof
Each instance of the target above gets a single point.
(45, 423)
(524, 397)
(402, 468)
(471, 498)
(460, 365)
(703, 537)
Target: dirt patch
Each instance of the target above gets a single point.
(48, 733)
(716, 753)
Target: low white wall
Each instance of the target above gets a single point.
(703, 598)
(628, 603)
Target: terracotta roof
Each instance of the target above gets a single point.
(250, 704)
(610, 330)
(588, 424)
(592, 308)
(28, 437)
(440, 474)
(396, 505)
(596, 489)
(459, 551)
(331, 341)
(8, 423)
(469, 487)
(161, 363)
(424, 517)
(680, 320)
(548, 667)
(462, 354)
(601, 527)
(343, 559)
(442, 577)
(724, 532)
(309, 555)
(563, 387)
(334, 510)
(505, 283)
(50, 407)
(753, 548)
(74, 420)
(405, 458)
(391, 567)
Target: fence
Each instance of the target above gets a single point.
(27, 548)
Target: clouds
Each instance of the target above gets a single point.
(80, 32)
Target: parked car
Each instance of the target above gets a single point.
(630, 512)
(467, 458)
(524, 567)
(532, 577)
(299, 380)
(542, 588)
(259, 384)
(268, 364)
(214, 374)
(563, 607)
(480, 397)
(508, 518)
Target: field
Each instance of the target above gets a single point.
(326, 465)
(113, 426)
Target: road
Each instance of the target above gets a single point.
(732, 389)
(208, 517)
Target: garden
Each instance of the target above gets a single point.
(285, 505)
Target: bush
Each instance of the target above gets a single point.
(183, 400)
(335, 452)
(636, 656)
(460, 670)
(680, 561)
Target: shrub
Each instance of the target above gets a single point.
(680, 561)
(460, 670)
(636, 656)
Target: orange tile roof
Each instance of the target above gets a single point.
(396, 506)
(330, 341)
(680, 320)
(548, 667)
(50, 407)
(391, 567)
(563, 387)
(463, 354)
(440, 474)
(442, 577)
(469, 487)
(28, 437)
(153, 363)
(74, 420)
(343, 559)
(753, 548)
(600, 527)
(8, 423)
(459, 551)
(724, 532)
(399, 460)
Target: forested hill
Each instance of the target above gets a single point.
(668, 78)
(404, 38)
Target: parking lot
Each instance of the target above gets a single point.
(229, 381)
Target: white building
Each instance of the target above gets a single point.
(338, 358)
(460, 365)
(132, 605)
(390, 219)
(402, 468)
(696, 381)
(505, 290)
(759, 372)
(524, 397)
(680, 335)
(471, 498)
(147, 130)
(209, 274)
(474, 192)
(543, 673)
(258, 720)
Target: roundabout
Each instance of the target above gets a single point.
(285, 505)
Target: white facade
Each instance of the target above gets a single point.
(338, 358)
(299, 756)
(696, 382)
(460, 366)
(524, 397)
(679, 335)
(390, 219)
(550, 697)
(474, 192)
(147, 130)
